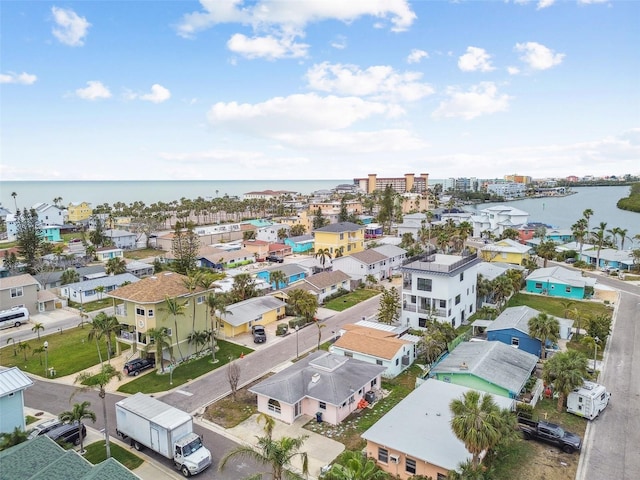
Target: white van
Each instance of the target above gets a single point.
(588, 400)
(14, 317)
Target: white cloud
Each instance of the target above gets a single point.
(481, 99)
(158, 94)
(591, 2)
(379, 82)
(71, 28)
(340, 42)
(273, 13)
(417, 55)
(268, 47)
(544, 4)
(513, 70)
(94, 91)
(476, 59)
(19, 78)
(537, 56)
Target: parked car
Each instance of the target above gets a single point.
(44, 427)
(134, 367)
(67, 433)
(570, 260)
(259, 334)
(550, 433)
(274, 258)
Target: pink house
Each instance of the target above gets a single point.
(324, 385)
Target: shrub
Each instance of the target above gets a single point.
(524, 410)
(281, 329)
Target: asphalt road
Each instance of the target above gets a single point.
(612, 443)
(193, 397)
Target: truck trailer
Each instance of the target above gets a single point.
(588, 400)
(150, 423)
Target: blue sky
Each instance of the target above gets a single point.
(318, 89)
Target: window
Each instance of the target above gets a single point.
(200, 299)
(16, 292)
(538, 285)
(413, 299)
(322, 405)
(170, 332)
(567, 289)
(424, 284)
(515, 341)
(410, 466)
(374, 382)
(443, 304)
(378, 362)
(457, 299)
(422, 322)
(397, 361)
(348, 354)
(342, 236)
(461, 276)
(273, 406)
(149, 313)
(383, 455)
(441, 477)
(140, 311)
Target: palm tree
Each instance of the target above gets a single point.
(217, 309)
(579, 231)
(598, 235)
(15, 351)
(14, 438)
(277, 454)
(278, 278)
(161, 339)
(502, 289)
(587, 214)
(14, 195)
(175, 309)
(322, 254)
(115, 266)
(566, 370)
(198, 337)
(567, 307)
(23, 347)
(477, 423)
(355, 466)
(37, 327)
(547, 250)
(99, 382)
(545, 328)
(78, 413)
(104, 325)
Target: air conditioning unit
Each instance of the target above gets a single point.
(394, 458)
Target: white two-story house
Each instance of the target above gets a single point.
(440, 287)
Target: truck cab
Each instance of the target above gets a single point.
(190, 456)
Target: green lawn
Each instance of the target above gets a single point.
(350, 299)
(68, 352)
(553, 306)
(156, 382)
(96, 453)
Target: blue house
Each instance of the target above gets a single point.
(300, 244)
(13, 383)
(559, 282)
(51, 233)
(512, 328)
(292, 272)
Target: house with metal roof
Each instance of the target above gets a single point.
(415, 437)
(95, 288)
(507, 251)
(322, 384)
(511, 327)
(292, 272)
(13, 383)
(491, 367)
(243, 315)
(300, 244)
(43, 458)
(360, 265)
(390, 347)
(560, 282)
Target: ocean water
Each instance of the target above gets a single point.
(99, 192)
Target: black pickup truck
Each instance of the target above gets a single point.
(550, 433)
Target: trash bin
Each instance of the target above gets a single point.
(319, 417)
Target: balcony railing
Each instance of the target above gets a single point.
(427, 263)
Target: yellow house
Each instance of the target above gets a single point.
(254, 311)
(145, 305)
(344, 235)
(506, 251)
(79, 211)
(302, 218)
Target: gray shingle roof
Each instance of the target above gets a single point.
(420, 425)
(326, 279)
(323, 376)
(494, 362)
(514, 317)
(289, 269)
(368, 257)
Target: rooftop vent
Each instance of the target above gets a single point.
(464, 366)
(315, 378)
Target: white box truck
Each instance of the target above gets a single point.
(150, 423)
(588, 400)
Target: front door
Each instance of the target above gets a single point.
(297, 409)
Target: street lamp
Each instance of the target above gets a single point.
(81, 302)
(46, 358)
(596, 340)
(297, 345)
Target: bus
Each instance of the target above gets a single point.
(14, 317)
